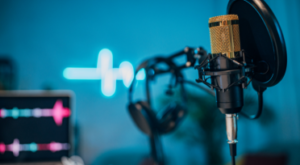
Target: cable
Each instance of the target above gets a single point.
(232, 147)
(260, 107)
(233, 160)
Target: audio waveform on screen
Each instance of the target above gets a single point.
(16, 147)
(58, 112)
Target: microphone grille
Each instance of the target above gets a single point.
(220, 18)
(225, 35)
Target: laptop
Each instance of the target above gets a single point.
(35, 127)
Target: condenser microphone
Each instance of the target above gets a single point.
(225, 45)
(226, 52)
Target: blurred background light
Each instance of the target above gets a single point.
(105, 72)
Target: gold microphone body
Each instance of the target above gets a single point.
(225, 35)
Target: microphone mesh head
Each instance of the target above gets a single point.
(225, 35)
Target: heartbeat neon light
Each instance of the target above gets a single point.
(16, 147)
(58, 112)
(106, 73)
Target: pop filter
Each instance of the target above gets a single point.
(261, 39)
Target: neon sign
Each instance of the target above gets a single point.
(106, 73)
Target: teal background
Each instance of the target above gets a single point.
(44, 37)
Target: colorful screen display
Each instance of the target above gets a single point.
(34, 128)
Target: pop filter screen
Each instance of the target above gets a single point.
(261, 39)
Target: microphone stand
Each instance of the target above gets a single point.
(155, 143)
(156, 149)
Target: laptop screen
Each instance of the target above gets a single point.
(34, 128)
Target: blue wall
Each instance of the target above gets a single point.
(44, 37)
